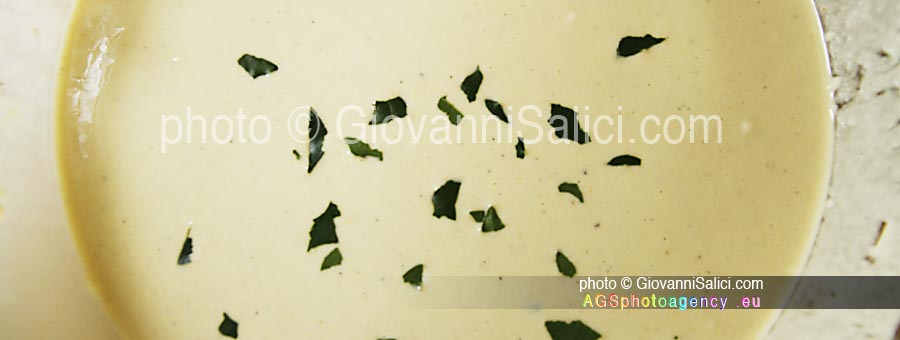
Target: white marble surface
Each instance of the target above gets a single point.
(864, 44)
(42, 290)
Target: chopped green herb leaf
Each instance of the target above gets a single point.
(630, 46)
(296, 154)
(186, 250)
(472, 83)
(451, 111)
(444, 200)
(565, 124)
(317, 132)
(496, 109)
(520, 149)
(573, 189)
(386, 111)
(414, 276)
(492, 221)
(228, 327)
(256, 67)
(575, 330)
(323, 229)
(626, 160)
(333, 258)
(564, 265)
(478, 215)
(361, 149)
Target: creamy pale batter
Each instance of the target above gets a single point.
(747, 206)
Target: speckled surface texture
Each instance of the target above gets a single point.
(863, 40)
(38, 265)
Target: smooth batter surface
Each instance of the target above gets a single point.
(746, 206)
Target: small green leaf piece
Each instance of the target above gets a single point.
(496, 109)
(575, 330)
(492, 221)
(444, 200)
(228, 327)
(388, 110)
(478, 215)
(452, 113)
(317, 132)
(625, 160)
(256, 67)
(323, 229)
(571, 188)
(564, 265)
(472, 83)
(414, 275)
(630, 46)
(333, 258)
(186, 250)
(296, 154)
(565, 124)
(361, 149)
(520, 148)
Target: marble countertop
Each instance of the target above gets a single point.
(38, 264)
